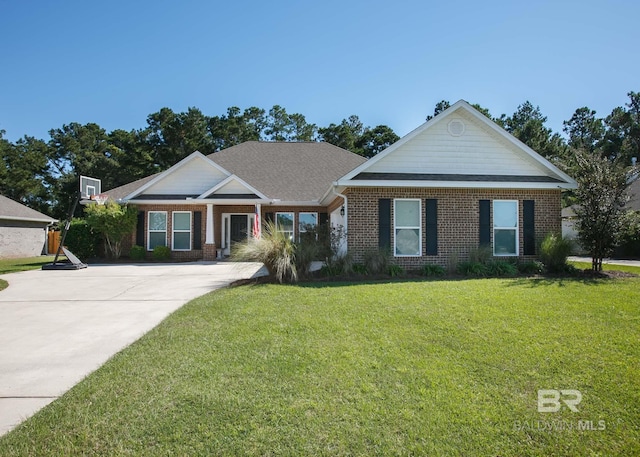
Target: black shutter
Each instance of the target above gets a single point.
(384, 223)
(140, 229)
(431, 219)
(269, 217)
(197, 230)
(528, 227)
(485, 222)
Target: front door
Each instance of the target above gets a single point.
(238, 229)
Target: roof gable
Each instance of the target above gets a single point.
(192, 176)
(460, 147)
(232, 186)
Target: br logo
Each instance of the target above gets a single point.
(550, 400)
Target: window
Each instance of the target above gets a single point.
(181, 231)
(505, 227)
(407, 227)
(157, 229)
(284, 224)
(307, 222)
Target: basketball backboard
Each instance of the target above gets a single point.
(89, 186)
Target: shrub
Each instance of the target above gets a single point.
(471, 268)
(395, 271)
(359, 269)
(531, 268)
(274, 249)
(306, 252)
(376, 262)
(554, 251)
(161, 253)
(500, 268)
(114, 222)
(137, 253)
(431, 270)
(481, 254)
(82, 240)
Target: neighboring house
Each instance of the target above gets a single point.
(23, 231)
(634, 194)
(456, 182)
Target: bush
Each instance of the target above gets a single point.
(481, 254)
(554, 251)
(498, 268)
(471, 268)
(82, 240)
(431, 270)
(376, 262)
(137, 253)
(395, 271)
(531, 268)
(359, 269)
(274, 249)
(306, 252)
(161, 253)
(629, 245)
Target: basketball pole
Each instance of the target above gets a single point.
(66, 227)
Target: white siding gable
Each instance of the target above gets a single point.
(191, 178)
(459, 144)
(233, 187)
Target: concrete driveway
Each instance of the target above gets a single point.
(56, 327)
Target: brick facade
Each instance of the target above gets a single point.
(458, 219)
(209, 251)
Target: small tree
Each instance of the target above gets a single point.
(114, 222)
(601, 196)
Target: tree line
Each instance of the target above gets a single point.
(43, 174)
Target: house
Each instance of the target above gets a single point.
(23, 231)
(456, 182)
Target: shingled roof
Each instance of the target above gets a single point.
(12, 210)
(300, 171)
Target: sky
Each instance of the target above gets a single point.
(115, 62)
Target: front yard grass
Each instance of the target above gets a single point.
(30, 263)
(438, 368)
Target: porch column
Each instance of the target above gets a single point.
(209, 226)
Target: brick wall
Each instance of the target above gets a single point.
(194, 254)
(458, 219)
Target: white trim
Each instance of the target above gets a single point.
(166, 228)
(419, 227)
(458, 184)
(174, 231)
(226, 181)
(570, 183)
(209, 225)
(494, 227)
(193, 156)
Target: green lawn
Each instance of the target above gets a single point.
(31, 263)
(406, 368)
(608, 267)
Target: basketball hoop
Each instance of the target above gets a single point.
(100, 199)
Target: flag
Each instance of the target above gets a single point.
(256, 222)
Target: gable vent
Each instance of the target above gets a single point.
(456, 127)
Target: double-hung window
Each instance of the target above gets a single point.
(157, 235)
(407, 227)
(307, 225)
(505, 227)
(181, 228)
(284, 224)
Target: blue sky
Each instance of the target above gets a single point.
(115, 62)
